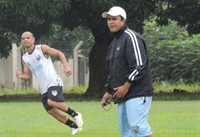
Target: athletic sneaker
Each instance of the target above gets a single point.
(76, 130)
(79, 120)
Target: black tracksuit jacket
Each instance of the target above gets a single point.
(127, 60)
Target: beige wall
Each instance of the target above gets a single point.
(8, 68)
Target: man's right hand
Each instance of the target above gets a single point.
(106, 99)
(68, 71)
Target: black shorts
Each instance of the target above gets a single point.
(55, 94)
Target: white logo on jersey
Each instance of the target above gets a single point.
(54, 92)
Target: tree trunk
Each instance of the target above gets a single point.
(97, 67)
(159, 6)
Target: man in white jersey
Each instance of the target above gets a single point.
(38, 61)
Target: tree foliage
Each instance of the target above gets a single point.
(185, 12)
(17, 16)
(174, 54)
(64, 35)
(91, 10)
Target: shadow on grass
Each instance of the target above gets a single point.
(182, 96)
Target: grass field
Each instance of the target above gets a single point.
(29, 119)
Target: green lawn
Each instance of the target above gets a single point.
(29, 119)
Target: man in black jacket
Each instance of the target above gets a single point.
(129, 77)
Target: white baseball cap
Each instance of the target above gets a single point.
(115, 11)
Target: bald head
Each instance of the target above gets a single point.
(28, 39)
(28, 33)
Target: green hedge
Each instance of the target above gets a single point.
(174, 55)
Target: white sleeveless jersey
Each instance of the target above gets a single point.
(42, 68)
